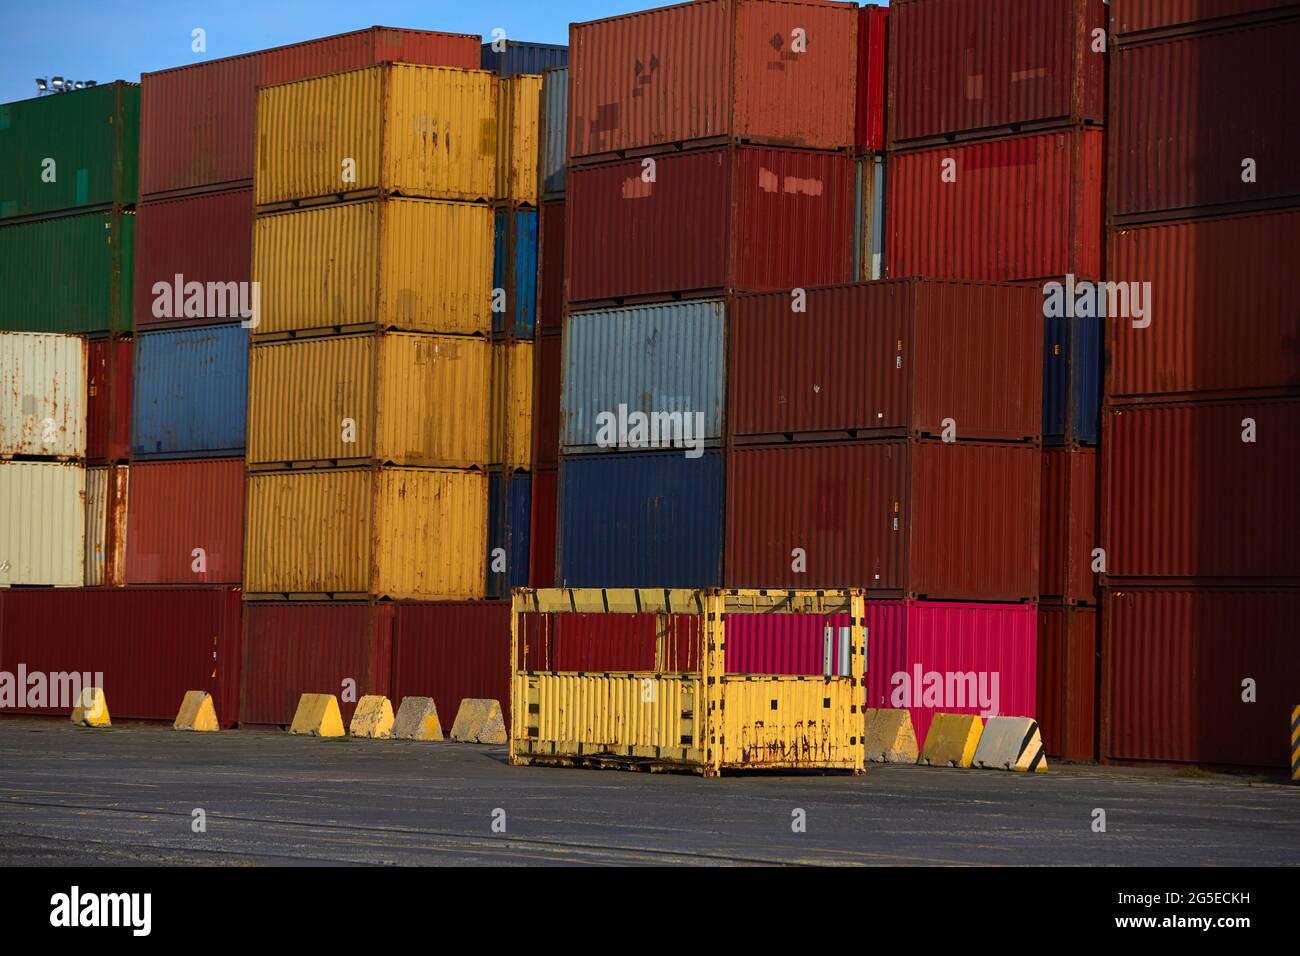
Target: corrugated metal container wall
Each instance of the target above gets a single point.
(717, 68)
(450, 652)
(610, 642)
(190, 394)
(106, 516)
(902, 356)
(1173, 662)
(68, 273)
(653, 359)
(645, 519)
(744, 217)
(1184, 127)
(1205, 275)
(414, 533)
(204, 239)
(783, 643)
(1135, 16)
(509, 527)
(179, 508)
(514, 270)
(1067, 681)
(510, 437)
(299, 153)
(1069, 525)
(541, 546)
(958, 67)
(519, 104)
(1072, 374)
(925, 519)
(42, 523)
(198, 123)
(873, 35)
(108, 398)
(516, 56)
(69, 151)
(869, 217)
(296, 649)
(412, 400)
(1204, 490)
(554, 130)
(43, 382)
(405, 264)
(149, 645)
(550, 268)
(548, 357)
(1025, 207)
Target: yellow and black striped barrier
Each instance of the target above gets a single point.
(1295, 744)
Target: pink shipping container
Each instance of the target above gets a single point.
(293, 649)
(1068, 681)
(1069, 525)
(960, 69)
(1137, 16)
(150, 644)
(178, 507)
(712, 220)
(1174, 662)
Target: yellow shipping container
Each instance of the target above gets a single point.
(396, 129)
(412, 264)
(512, 405)
(399, 533)
(399, 398)
(519, 105)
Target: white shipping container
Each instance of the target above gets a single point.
(106, 492)
(42, 395)
(42, 523)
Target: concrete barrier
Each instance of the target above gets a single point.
(888, 736)
(91, 709)
(197, 713)
(417, 719)
(479, 721)
(373, 718)
(317, 716)
(952, 740)
(1011, 743)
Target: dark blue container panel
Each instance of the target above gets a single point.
(510, 500)
(1071, 379)
(520, 57)
(514, 268)
(641, 519)
(190, 392)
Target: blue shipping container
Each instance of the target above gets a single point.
(519, 57)
(510, 499)
(642, 519)
(190, 392)
(514, 269)
(1071, 379)
(555, 131)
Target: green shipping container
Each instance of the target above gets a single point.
(77, 150)
(67, 273)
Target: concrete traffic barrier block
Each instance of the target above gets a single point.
(317, 716)
(197, 713)
(417, 719)
(1011, 743)
(91, 709)
(888, 736)
(952, 740)
(373, 718)
(479, 721)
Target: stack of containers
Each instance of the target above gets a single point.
(1199, 513)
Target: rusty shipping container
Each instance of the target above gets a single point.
(960, 70)
(145, 646)
(1069, 525)
(1173, 664)
(908, 357)
(42, 395)
(108, 399)
(1068, 663)
(186, 522)
(1141, 16)
(1204, 491)
(1023, 207)
(198, 122)
(106, 503)
(924, 519)
(711, 220)
(580, 641)
(765, 71)
(519, 104)
(550, 268)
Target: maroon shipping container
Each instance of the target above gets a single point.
(541, 547)
(931, 519)
(898, 357)
(1174, 665)
(108, 400)
(178, 507)
(714, 71)
(550, 268)
(1137, 16)
(207, 238)
(610, 642)
(960, 69)
(1068, 684)
(1025, 207)
(1189, 112)
(716, 219)
(198, 123)
(1186, 497)
(295, 648)
(150, 644)
(1069, 525)
(873, 37)
(1224, 318)
(548, 354)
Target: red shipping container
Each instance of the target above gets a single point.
(178, 507)
(1136, 16)
(207, 238)
(1024, 207)
(548, 355)
(900, 357)
(550, 268)
(451, 651)
(1192, 137)
(198, 123)
(915, 519)
(1205, 491)
(541, 547)
(873, 36)
(714, 71)
(1069, 525)
(1174, 665)
(291, 649)
(610, 642)
(1224, 317)
(960, 69)
(1067, 681)
(712, 220)
(108, 400)
(150, 644)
